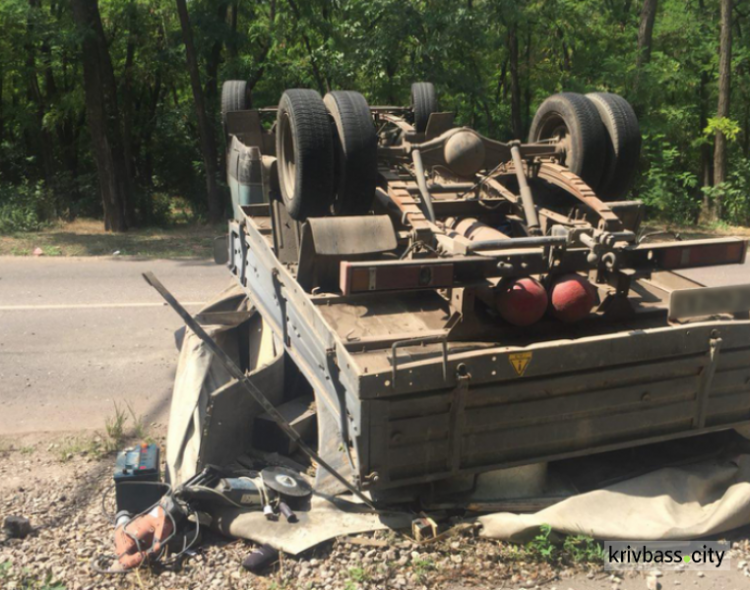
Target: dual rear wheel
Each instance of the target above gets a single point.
(324, 166)
(327, 149)
(599, 135)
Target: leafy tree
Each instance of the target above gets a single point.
(67, 143)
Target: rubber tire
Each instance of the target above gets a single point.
(355, 152)
(235, 96)
(303, 124)
(585, 128)
(623, 145)
(423, 103)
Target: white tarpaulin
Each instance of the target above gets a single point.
(674, 503)
(198, 375)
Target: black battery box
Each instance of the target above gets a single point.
(137, 478)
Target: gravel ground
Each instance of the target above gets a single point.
(59, 487)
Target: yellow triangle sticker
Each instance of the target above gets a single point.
(520, 361)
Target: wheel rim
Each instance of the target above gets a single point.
(287, 164)
(555, 130)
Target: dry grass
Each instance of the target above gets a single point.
(86, 237)
(696, 232)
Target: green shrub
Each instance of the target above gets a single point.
(24, 207)
(667, 188)
(734, 193)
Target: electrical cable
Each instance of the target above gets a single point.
(171, 494)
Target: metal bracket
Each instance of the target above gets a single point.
(458, 405)
(443, 339)
(333, 370)
(277, 285)
(707, 377)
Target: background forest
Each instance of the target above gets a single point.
(110, 109)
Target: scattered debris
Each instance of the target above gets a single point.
(260, 558)
(652, 583)
(17, 527)
(366, 542)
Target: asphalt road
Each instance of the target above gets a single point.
(78, 334)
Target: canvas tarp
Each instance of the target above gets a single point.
(198, 376)
(673, 503)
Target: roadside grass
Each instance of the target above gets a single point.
(6, 446)
(29, 581)
(549, 547)
(692, 232)
(422, 567)
(123, 426)
(86, 237)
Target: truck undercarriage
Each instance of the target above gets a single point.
(458, 304)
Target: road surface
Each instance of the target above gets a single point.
(78, 334)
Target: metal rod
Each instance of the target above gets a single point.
(625, 236)
(527, 199)
(422, 184)
(510, 244)
(257, 394)
(457, 187)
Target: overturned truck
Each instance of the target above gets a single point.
(458, 304)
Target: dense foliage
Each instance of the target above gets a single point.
(485, 56)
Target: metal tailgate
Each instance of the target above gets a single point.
(556, 400)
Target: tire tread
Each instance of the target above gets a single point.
(313, 145)
(424, 103)
(623, 144)
(356, 154)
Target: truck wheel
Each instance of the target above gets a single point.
(573, 119)
(355, 152)
(304, 151)
(235, 96)
(423, 103)
(623, 144)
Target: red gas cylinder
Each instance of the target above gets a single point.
(521, 302)
(571, 298)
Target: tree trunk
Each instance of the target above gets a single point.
(527, 74)
(213, 61)
(725, 74)
(103, 115)
(319, 79)
(40, 137)
(127, 105)
(645, 35)
(2, 120)
(205, 129)
(646, 32)
(232, 43)
(515, 85)
(706, 159)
